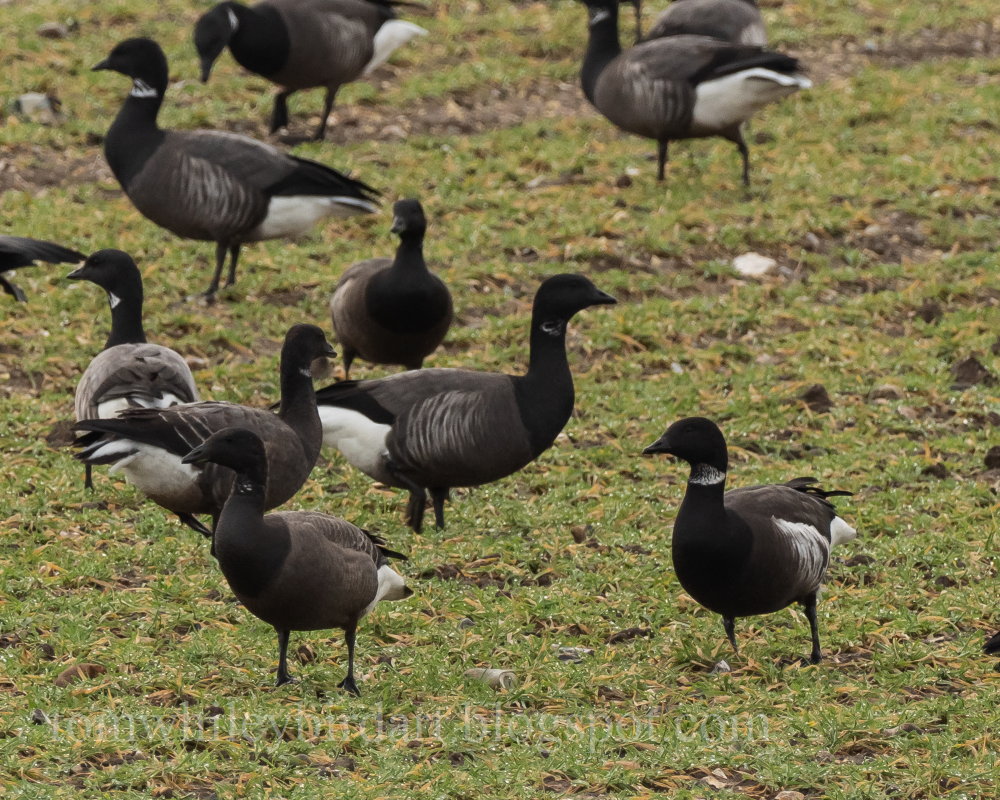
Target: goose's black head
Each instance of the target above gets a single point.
(303, 344)
(408, 219)
(236, 448)
(561, 296)
(114, 271)
(696, 440)
(211, 35)
(143, 61)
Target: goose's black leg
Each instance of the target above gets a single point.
(729, 623)
(283, 676)
(13, 289)
(438, 496)
(220, 259)
(279, 116)
(194, 524)
(661, 159)
(637, 4)
(348, 683)
(741, 144)
(327, 108)
(349, 355)
(810, 605)
(418, 497)
(234, 256)
(88, 477)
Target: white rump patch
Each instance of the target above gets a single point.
(360, 441)
(733, 99)
(390, 37)
(296, 214)
(706, 475)
(809, 547)
(841, 532)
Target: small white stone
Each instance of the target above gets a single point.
(754, 265)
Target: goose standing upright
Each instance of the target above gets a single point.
(212, 185)
(432, 429)
(128, 372)
(296, 570)
(20, 251)
(734, 21)
(681, 87)
(752, 550)
(147, 444)
(301, 44)
(392, 311)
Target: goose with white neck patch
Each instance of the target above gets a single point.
(753, 550)
(432, 429)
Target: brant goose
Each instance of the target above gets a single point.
(211, 185)
(752, 550)
(734, 21)
(681, 87)
(433, 429)
(128, 372)
(295, 570)
(147, 444)
(993, 645)
(301, 44)
(20, 251)
(392, 311)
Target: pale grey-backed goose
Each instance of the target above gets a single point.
(147, 444)
(301, 44)
(681, 87)
(752, 550)
(20, 251)
(129, 372)
(734, 21)
(211, 185)
(295, 570)
(992, 646)
(392, 311)
(432, 429)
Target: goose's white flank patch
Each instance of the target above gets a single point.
(706, 475)
(732, 99)
(113, 407)
(359, 440)
(809, 546)
(142, 89)
(152, 470)
(389, 38)
(841, 532)
(296, 214)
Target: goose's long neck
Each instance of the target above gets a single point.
(126, 320)
(298, 403)
(134, 134)
(247, 503)
(703, 502)
(410, 255)
(603, 46)
(260, 39)
(545, 391)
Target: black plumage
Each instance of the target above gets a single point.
(212, 185)
(392, 311)
(296, 570)
(432, 429)
(752, 550)
(301, 44)
(147, 444)
(20, 251)
(992, 646)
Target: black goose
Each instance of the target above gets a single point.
(992, 646)
(753, 550)
(20, 251)
(295, 570)
(211, 185)
(128, 372)
(681, 87)
(147, 444)
(392, 311)
(734, 21)
(432, 429)
(301, 44)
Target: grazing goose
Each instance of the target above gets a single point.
(20, 251)
(301, 44)
(147, 444)
(128, 372)
(432, 429)
(681, 87)
(752, 550)
(211, 185)
(993, 645)
(295, 570)
(734, 21)
(392, 311)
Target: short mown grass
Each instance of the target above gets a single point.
(877, 194)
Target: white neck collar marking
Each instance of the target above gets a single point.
(706, 475)
(599, 16)
(233, 21)
(306, 371)
(113, 300)
(142, 89)
(553, 327)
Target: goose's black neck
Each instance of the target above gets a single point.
(545, 392)
(298, 401)
(260, 42)
(134, 135)
(603, 46)
(126, 316)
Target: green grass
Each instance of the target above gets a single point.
(877, 193)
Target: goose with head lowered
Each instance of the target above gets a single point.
(147, 444)
(681, 87)
(295, 570)
(752, 550)
(992, 646)
(392, 311)
(734, 21)
(433, 429)
(20, 251)
(129, 372)
(301, 44)
(212, 185)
